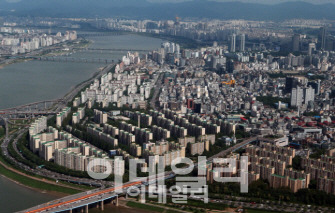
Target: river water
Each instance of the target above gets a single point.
(32, 81)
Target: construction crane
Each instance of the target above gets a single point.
(230, 83)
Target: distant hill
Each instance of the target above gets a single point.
(142, 9)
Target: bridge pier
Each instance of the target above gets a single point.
(102, 205)
(142, 198)
(116, 201)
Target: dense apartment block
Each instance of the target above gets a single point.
(76, 102)
(100, 117)
(99, 133)
(167, 156)
(277, 181)
(135, 150)
(77, 116)
(62, 115)
(197, 148)
(63, 148)
(111, 130)
(126, 137)
(38, 126)
(160, 133)
(322, 170)
(268, 162)
(141, 118)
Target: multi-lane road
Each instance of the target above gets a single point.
(83, 199)
(158, 86)
(58, 107)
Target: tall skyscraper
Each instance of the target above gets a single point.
(323, 37)
(316, 85)
(297, 96)
(241, 46)
(291, 83)
(330, 43)
(296, 42)
(311, 48)
(233, 43)
(309, 94)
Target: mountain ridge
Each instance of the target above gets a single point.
(142, 9)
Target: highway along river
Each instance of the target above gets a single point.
(33, 81)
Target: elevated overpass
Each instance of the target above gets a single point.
(34, 105)
(114, 50)
(84, 200)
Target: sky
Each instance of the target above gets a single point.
(247, 1)
(255, 1)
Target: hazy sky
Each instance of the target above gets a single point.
(256, 1)
(247, 1)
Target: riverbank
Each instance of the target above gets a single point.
(43, 185)
(184, 42)
(52, 80)
(82, 43)
(40, 186)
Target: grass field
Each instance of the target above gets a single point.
(145, 207)
(171, 211)
(34, 183)
(260, 211)
(2, 131)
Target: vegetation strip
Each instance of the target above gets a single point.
(144, 206)
(29, 182)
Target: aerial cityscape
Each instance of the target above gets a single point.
(177, 106)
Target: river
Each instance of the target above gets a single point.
(32, 81)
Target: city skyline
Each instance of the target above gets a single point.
(163, 10)
(175, 106)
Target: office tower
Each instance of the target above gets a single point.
(241, 44)
(214, 62)
(172, 48)
(311, 48)
(291, 83)
(316, 86)
(329, 44)
(323, 37)
(230, 66)
(309, 93)
(177, 50)
(297, 96)
(296, 42)
(197, 107)
(232, 43)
